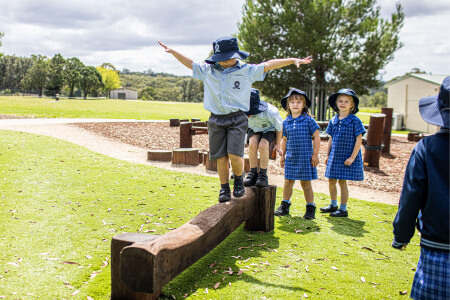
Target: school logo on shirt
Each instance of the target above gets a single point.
(264, 125)
(237, 85)
(216, 48)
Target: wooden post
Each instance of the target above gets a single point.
(174, 122)
(187, 156)
(374, 139)
(263, 220)
(387, 129)
(148, 266)
(159, 155)
(186, 135)
(118, 290)
(412, 136)
(195, 120)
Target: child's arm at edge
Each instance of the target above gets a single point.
(180, 57)
(278, 142)
(283, 62)
(283, 151)
(316, 148)
(328, 150)
(358, 143)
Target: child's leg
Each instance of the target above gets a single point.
(307, 191)
(344, 192)
(342, 211)
(283, 209)
(333, 194)
(223, 169)
(238, 168)
(263, 153)
(253, 151)
(237, 164)
(309, 197)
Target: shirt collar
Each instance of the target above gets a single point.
(299, 118)
(344, 121)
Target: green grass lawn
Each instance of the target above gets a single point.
(108, 109)
(61, 204)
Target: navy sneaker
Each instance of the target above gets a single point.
(329, 209)
(251, 178)
(263, 180)
(339, 213)
(238, 190)
(283, 209)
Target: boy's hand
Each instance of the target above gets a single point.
(168, 50)
(315, 160)
(326, 161)
(282, 159)
(302, 61)
(349, 161)
(278, 149)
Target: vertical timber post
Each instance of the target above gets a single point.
(387, 129)
(374, 140)
(264, 218)
(186, 135)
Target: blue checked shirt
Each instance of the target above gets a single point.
(343, 138)
(268, 120)
(227, 90)
(299, 148)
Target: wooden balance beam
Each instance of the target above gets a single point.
(146, 263)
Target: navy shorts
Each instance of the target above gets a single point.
(268, 136)
(227, 134)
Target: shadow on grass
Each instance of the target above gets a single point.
(234, 252)
(297, 225)
(347, 226)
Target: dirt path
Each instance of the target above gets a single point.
(119, 150)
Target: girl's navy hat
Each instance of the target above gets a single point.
(332, 100)
(256, 105)
(295, 91)
(226, 48)
(435, 109)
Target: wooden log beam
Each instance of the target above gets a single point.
(374, 139)
(186, 135)
(147, 267)
(174, 122)
(187, 156)
(159, 155)
(387, 129)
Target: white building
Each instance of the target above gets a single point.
(404, 95)
(124, 94)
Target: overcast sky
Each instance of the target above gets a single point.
(125, 32)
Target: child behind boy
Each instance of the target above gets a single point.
(265, 124)
(227, 84)
(344, 161)
(299, 156)
(425, 204)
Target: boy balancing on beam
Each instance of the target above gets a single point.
(227, 83)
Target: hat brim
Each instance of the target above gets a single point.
(431, 114)
(333, 98)
(218, 57)
(284, 99)
(257, 109)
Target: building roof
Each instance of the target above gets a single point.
(432, 78)
(124, 88)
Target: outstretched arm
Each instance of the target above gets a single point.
(181, 58)
(283, 62)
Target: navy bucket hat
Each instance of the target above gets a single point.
(226, 48)
(256, 105)
(295, 91)
(435, 109)
(332, 100)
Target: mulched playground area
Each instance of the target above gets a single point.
(160, 136)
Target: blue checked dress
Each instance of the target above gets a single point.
(343, 133)
(299, 148)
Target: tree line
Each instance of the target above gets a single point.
(51, 76)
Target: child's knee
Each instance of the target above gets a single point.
(253, 144)
(332, 181)
(263, 144)
(342, 183)
(289, 183)
(306, 185)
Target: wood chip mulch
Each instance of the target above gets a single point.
(154, 136)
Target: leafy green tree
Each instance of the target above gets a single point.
(37, 75)
(147, 94)
(56, 74)
(111, 78)
(91, 80)
(72, 74)
(12, 71)
(347, 39)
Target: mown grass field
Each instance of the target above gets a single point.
(61, 205)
